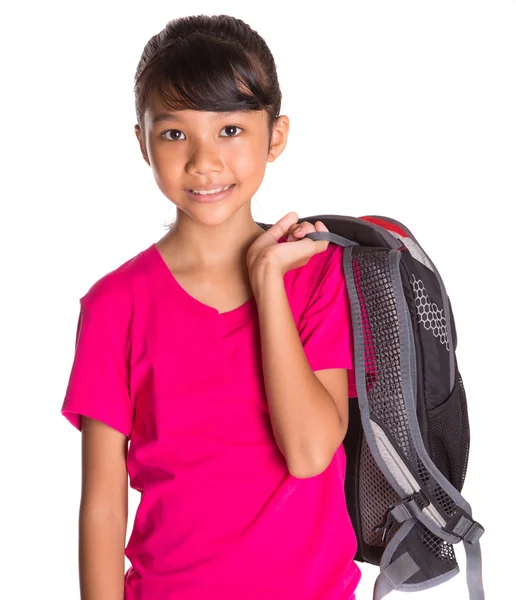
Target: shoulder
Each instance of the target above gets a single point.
(323, 272)
(332, 256)
(320, 266)
(113, 293)
(327, 272)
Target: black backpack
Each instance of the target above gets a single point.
(408, 437)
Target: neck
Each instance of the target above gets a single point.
(198, 246)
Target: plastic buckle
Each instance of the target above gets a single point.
(463, 525)
(401, 511)
(474, 533)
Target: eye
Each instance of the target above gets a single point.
(177, 131)
(230, 127)
(171, 131)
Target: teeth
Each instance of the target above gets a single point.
(204, 193)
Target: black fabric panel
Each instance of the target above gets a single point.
(352, 442)
(450, 435)
(433, 556)
(427, 304)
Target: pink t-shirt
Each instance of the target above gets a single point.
(220, 517)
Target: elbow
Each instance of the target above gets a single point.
(305, 471)
(305, 468)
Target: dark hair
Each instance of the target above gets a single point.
(213, 63)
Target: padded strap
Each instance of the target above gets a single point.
(394, 575)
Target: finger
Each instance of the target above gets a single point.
(292, 227)
(281, 227)
(304, 228)
(320, 226)
(299, 230)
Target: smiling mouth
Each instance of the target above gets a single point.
(209, 197)
(218, 190)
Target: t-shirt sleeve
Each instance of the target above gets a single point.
(98, 385)
(325, 325)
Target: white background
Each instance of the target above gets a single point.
(400, 108)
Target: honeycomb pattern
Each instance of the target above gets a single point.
(431, 317)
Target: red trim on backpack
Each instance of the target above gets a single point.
(386, 225)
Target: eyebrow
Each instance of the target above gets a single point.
(174, 117)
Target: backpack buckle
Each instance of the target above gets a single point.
(463, 525)
(402, 511)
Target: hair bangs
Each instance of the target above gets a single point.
(203, 73)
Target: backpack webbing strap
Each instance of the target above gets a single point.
(474, 570)
(470, 532)
(394, 575)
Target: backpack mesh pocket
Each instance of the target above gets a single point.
(448, 428)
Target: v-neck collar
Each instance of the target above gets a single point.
(238, 315)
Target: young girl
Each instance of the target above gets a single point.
(221, 352)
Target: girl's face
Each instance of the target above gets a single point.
(191, 149)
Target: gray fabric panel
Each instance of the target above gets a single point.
(414, 250)
(395, 463)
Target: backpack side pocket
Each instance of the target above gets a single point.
(448, 429)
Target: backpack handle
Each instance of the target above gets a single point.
(331, 237)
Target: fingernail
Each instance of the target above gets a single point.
(297, 229)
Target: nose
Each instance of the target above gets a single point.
(204, 158)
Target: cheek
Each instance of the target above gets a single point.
(168, 179)
(249, 164)
(167, 168)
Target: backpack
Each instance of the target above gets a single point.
(408, 437)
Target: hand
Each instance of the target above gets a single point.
(293, 253)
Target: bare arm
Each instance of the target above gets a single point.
(309, 411)
(103, 512)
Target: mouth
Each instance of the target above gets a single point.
(211, 196)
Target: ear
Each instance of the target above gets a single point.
(140, 135)
(279, 137)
